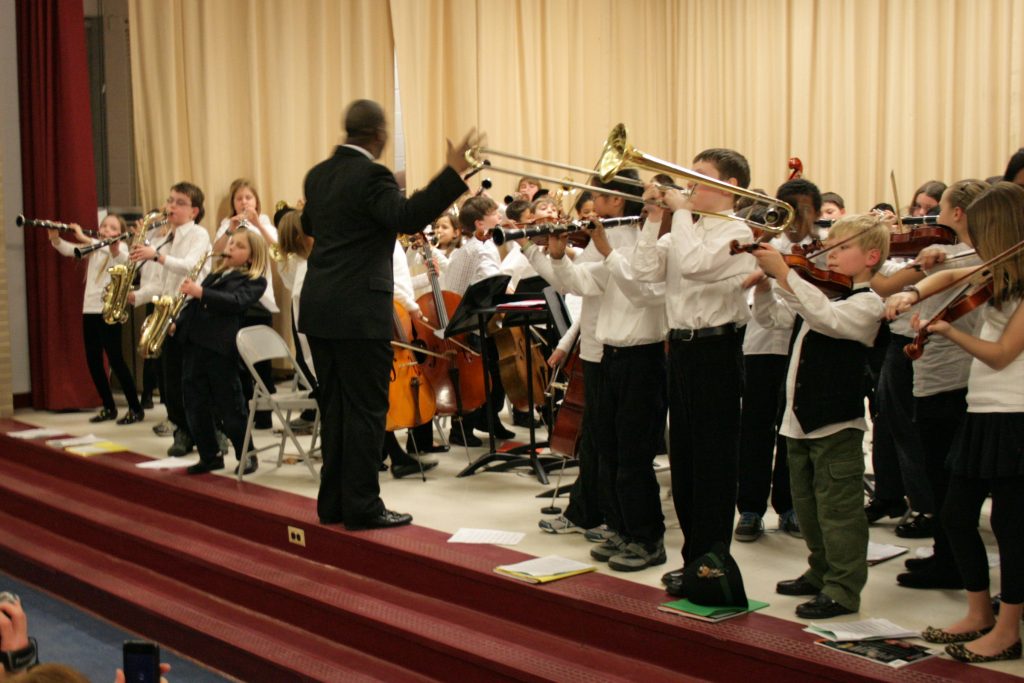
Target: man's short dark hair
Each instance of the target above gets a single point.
(363, 119)
(474, 210)
(631, 208)
(797, 187)
(730, 164)
(194, 194)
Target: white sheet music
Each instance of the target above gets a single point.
(494, 536)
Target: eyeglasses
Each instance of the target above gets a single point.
(179, 202)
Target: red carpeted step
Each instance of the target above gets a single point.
(413, 630)
(229, 638)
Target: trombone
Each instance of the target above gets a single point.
(618, 154)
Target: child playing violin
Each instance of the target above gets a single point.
(986, 457)
(823, 421)
(99, 337)
(206, 332)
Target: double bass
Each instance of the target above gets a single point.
(511, 345)
(455, 371)
(565, 435)
(410, 394)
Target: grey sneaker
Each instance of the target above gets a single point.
(749, 528)
(599, 534)
(559, 525)
(165, 428)
(790, 524)
(222, 443)
(639, 556)
(182, 445)
(616, 545)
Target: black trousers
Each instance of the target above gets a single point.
(764, 378)
(631, 416)
(353, 378)
(587, 507)
(705, 384)
(937, 418)
(172, 366)
(102, 338)
(213, 395)
(960, 513)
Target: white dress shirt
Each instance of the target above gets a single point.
(702, 280)
(469, 264)
(404, 293)
(857, 318)
(182, 250)
(630, 313)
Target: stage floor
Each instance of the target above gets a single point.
(506, 501)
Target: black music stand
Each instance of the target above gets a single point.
(478, 304)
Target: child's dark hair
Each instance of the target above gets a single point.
(932, 188)
(833, 198)
(194, 194)
(474, 209)
(585, 196)
(631, 207)
(1014, 166)
(729, 162)
(799, 187)
(514, 211)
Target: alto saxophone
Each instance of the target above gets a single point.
(115, 294)
(165, 311)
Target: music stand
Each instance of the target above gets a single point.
(478, 304)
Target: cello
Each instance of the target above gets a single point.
(454, 369)
(410, 394)
(511, 345)
(565, 434)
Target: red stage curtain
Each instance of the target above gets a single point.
(59, 184)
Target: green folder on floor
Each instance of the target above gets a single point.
(705, 613)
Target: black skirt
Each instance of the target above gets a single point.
(988, 445)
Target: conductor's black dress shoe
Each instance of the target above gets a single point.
(821, 607)
(384, 520)
(800, 586)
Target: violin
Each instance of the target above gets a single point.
(963, 303)
(410, 395)
(910, 244)
(832, 284)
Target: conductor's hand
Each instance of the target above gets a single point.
(457, 154)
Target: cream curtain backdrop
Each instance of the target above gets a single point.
(245, 88)
(855, 88)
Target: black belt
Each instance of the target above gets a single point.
(654, 347)
(704, 332)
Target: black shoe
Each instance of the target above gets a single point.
(674, 583)
(821, 607)
(104, 415)
(521, 419)
(147, 401)
(674, 576)
(501, 432)
(930, 577)
(800, 586)
(916, 564)
(385, 520)
(204, 466)
(399, 471)
(132, 417)
(251, 465)
(333, 519)
(455, 438)
(921, 526)
(432, 448)
(877, 509)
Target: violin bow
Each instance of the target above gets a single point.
(896, 198)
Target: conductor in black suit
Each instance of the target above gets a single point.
(355, 210)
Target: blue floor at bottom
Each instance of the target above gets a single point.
(69, 635)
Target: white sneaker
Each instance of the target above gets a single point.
(599, 534)
(559, 525)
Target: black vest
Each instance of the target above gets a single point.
(831, 378)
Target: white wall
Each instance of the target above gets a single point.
(14, 242)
